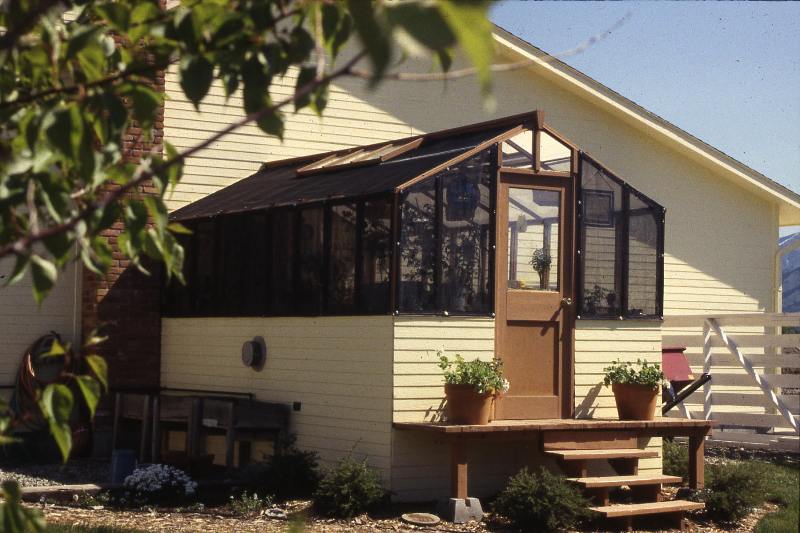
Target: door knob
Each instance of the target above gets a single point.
(566, 302)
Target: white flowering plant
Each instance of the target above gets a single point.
(162, 482)
(486, 377)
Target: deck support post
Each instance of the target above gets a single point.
(697, 450)
(458, 469)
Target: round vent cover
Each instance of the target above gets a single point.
(254, 353)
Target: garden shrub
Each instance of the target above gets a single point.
(288, 474)
(541, 502)
(675, 459)
(247, 505)
(732, 490)
(349, 489)
(159, 484)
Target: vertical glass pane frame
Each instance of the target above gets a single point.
(632, 201)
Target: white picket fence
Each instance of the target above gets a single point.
(754, 392)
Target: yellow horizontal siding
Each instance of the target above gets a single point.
(339, 368)
(22, 321)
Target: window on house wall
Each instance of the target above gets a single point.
(418, 247)
(308, 291)
(620, 251)
(517, 152)
(376, 256)
(342, 268)
(465, 231)
(205, 268)
(446, 238)
(281, 256)
(255, 266)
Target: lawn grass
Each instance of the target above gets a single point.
(783, 488)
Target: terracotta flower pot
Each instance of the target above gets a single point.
(635, 402)
(467, 407)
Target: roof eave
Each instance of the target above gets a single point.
(631, 112)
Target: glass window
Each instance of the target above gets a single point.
(418, 247)
(205, 267)
(376, 256)
(642, 259)
(465, 236)
(620, 259)
(553, 155)
(255, 266)
(518, 151)
(601, 242)
(308, 297)
(281, 258)
(342, 269)
(230, 253)
(534, 239)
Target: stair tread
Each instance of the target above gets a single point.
(619, 481)
(615, 453)
(640, 509)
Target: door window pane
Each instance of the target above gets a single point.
(465, 236)
(534, 239)
(376, 242)
(342, 270)
(418, 247)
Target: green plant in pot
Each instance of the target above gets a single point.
(636, 387)
(541, 261)
(470, 388)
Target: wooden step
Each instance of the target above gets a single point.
(619, 453)
(621, 481)
(642, 509)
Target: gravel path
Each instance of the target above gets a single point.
(77, 471)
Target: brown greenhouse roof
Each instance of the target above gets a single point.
(361, 171)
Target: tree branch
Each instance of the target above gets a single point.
(23, 245)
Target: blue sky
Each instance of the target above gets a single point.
(728, 73)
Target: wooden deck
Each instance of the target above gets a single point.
(575, 441)
(661, 427)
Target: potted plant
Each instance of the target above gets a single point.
(470, 388)
(540, 261)
(635, 387)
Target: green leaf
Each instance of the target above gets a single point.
(179, 229)
(99, 368)
(157, 211)
(90, 388)
(65, 131)
(56, 350)
(373, 35)
(304, 77)
(117, 13)
(84, 34)
(56, 405)
(272, 124)
(44, 276)
(424, 23)
(256, 83)
(19, 269)
(174, 171)
(145, 102)
(92, 60)
(197, 73)
(470, 23)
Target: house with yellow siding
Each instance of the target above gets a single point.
(402, 224)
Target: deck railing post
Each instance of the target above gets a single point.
(707, 394)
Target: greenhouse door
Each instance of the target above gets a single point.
(534, 295)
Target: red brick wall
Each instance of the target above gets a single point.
(125, 304)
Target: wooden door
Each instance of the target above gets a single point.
(534, 295)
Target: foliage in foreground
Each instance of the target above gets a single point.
(639, 373)
(290, 473)
(249, 505)
(157, 483)
(733, 489)
(349, 489)
(783, 488)
(484, 376)
(541, 502)
(675, 459)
